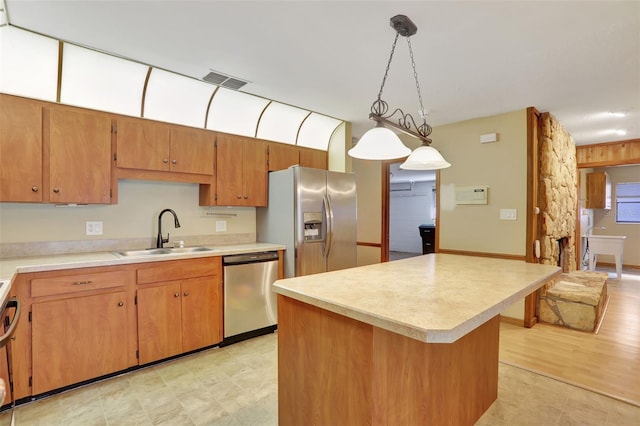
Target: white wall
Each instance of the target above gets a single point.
(409, 209)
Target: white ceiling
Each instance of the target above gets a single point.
(577, 60)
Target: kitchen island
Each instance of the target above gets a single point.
(413, 341)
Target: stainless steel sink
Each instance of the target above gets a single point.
(161, 251)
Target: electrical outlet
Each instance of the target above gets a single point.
(93, 228)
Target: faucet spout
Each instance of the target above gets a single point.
(161, 240)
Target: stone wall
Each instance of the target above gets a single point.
(558, 192)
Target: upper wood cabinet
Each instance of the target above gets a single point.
(598, 191)
(282, 156)
(314, 158)
(241, 171)
(77, 146)
(149, 145)
(20, 149)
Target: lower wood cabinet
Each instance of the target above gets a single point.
(78, 339)
(179, 315)
(81, 324)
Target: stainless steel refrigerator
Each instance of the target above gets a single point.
(313, 213)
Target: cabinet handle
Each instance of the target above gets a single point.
(174, 161)
(165, 160)
(56, 190)
(239, 197)
(82, 282)
(186, 293)
(176, 295)
(35, 189)
(246, 196)
(121, 304)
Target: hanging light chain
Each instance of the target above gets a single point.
(386, 72)
(415, 75)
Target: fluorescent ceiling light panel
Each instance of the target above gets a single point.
(177, 99)
(280, 123)
(316, 131)
(99, 81)
(235, 112)
(28, 64)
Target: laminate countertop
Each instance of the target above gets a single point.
(11, 266)
(434, 298)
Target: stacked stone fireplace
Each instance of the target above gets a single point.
(575, 299)
(558, 189)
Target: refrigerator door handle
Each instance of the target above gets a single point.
(328, 219)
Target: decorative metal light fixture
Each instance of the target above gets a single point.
(381, 143)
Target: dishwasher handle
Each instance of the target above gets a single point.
(239, 259)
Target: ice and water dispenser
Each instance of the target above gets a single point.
(313, 226)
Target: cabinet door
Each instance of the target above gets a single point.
(598, 191)
(192, 150)
(78, 339)
(313, 158)
(159, 322)
(282, 156)
(79, 157)
(229, 170)
(20, 150)
(254, 173)
(142, 144)
(201, 313)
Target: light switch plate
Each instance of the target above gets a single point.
(508, 214)
(221, 226)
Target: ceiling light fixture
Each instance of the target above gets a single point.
(381, 143)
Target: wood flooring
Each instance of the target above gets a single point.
(607, 362)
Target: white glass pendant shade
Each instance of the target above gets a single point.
(425, 158)
(379, 143)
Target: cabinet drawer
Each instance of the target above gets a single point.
(76, 282)
(180, 270)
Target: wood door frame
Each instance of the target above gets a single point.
(533, 224)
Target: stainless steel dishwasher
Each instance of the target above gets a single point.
(249, 302)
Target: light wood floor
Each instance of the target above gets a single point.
(607, 362)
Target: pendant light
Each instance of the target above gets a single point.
(381, 143)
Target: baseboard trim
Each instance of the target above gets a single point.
(483, 254)
(512, 321)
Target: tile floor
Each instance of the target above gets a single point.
(237, 385)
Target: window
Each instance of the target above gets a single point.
(628, 202)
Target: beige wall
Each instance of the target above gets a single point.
(135, 216)
(502, 166)
(368, 180)
(607, 218)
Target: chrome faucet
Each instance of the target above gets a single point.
(160, 241)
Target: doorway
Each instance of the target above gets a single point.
(411, 209)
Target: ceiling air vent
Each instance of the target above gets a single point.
(223, 80)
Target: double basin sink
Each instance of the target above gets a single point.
(161, 251)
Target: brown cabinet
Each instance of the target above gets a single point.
(282, 156)
(20, 149)
(149, 145)
(598, 191)
(78, 150)
(79, 328)
(241, 171)
(179, 307)
(314, 158)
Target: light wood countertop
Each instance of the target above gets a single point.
(10, 266)
(434, 298)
